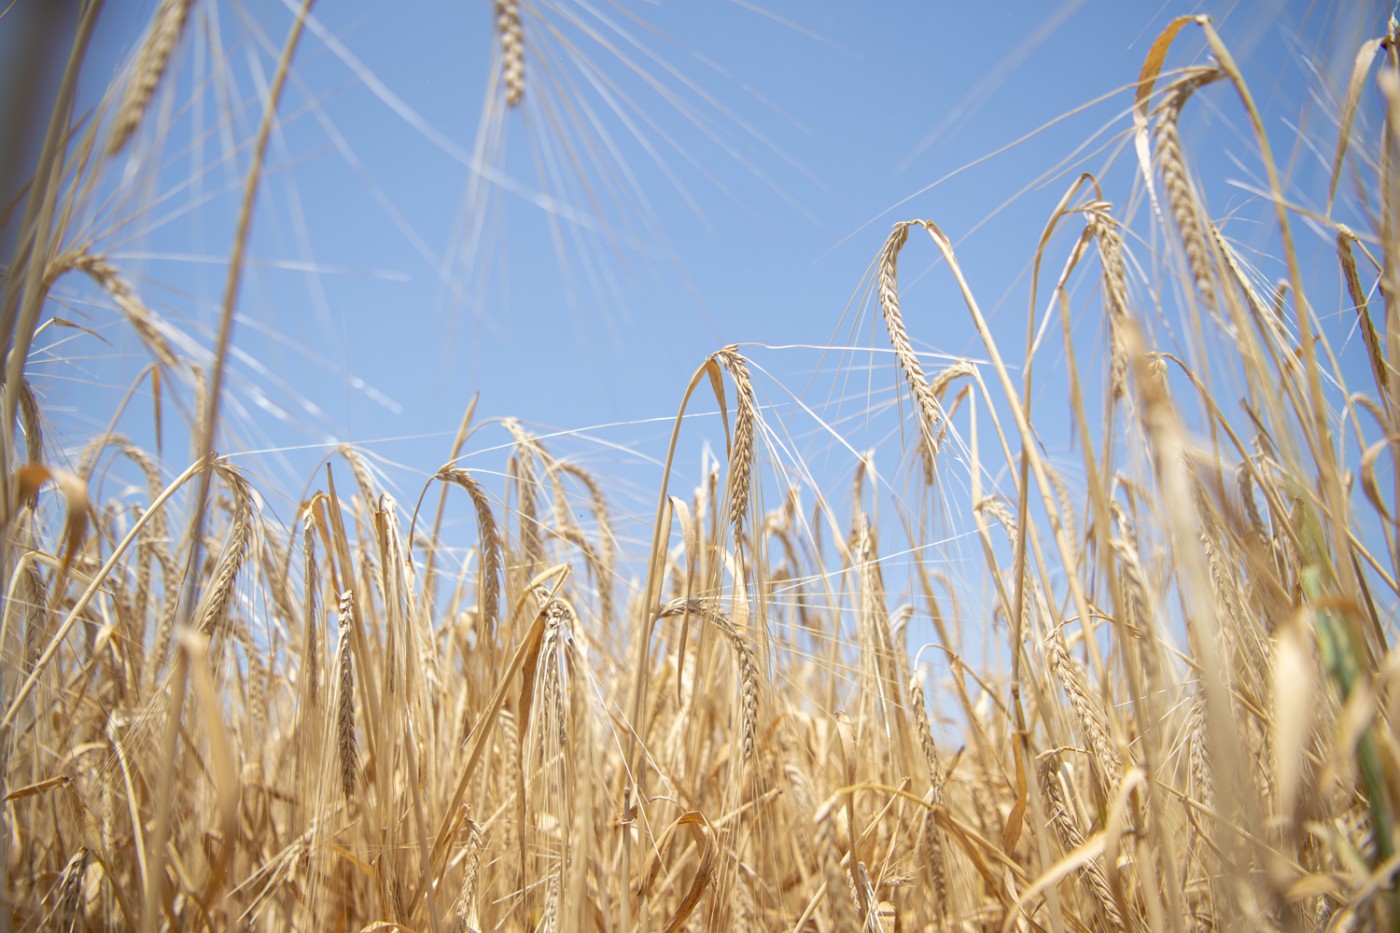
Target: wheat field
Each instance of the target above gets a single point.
(1150, 689)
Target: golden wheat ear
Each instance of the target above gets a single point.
(347, 746)
(512, 39)
(162, 36)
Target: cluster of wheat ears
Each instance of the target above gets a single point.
(213, 721)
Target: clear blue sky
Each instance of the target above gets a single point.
(742, 165)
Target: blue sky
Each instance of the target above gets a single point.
(741, 167)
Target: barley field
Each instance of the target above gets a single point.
(1067, 611)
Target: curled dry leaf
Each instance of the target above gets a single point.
(31, 477)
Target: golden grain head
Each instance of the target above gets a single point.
(792, 699)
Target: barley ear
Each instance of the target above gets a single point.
(489, 574)
(151, 63)
(512, 37)
(741, 457)
(930, 412)
(347, 749)
(1066, 827)
(1181, 193)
